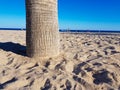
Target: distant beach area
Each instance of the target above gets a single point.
(72, 31)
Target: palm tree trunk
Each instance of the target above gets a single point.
(42, 35)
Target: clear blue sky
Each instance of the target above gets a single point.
(73, 14)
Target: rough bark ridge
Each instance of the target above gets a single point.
(42, 35)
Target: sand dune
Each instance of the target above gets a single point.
(87, 62)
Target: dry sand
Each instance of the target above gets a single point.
(87, 62)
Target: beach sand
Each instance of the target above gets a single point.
(87, 62)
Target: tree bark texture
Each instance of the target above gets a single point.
(42, 35)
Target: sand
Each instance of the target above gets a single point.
(87, 62)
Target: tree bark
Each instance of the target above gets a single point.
(42, 35)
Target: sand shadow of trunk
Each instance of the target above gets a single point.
(13, 47)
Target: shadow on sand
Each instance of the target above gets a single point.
(13, 47)
(7, 82)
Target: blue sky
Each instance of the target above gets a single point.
(73, 14)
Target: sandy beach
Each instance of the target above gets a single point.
(87, 62)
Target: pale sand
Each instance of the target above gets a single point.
(87, 62)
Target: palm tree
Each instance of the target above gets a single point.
(42, 35)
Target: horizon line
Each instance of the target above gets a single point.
(11, 28)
